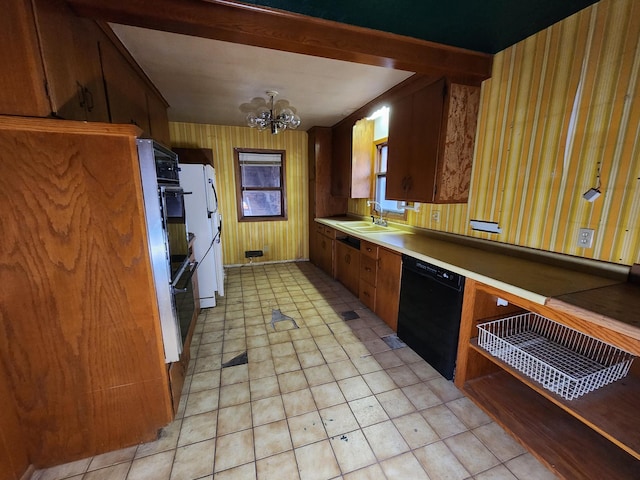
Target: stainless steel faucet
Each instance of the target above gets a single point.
(378, 221)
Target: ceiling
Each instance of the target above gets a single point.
(205, 80)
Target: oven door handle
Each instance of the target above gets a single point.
(193, 266)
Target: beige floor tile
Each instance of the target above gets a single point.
(344, 369)
(339, 419)
(234, 345)
(63, 471)
(388, 359)
(471, 452)
(156, 466)
(233, 450)
(261, 368)
(373, 472)
(312, 358)
(499, 472)
(366, 365)
(200, 402)
(403, 467)
(403, 375)
(207, 364)
(395, 403)
(407, 355)
(267, 410)
(421, 396)
(368, 411)
(243, 472)
(210, 349)
(326, 342)
(194, 461)
(286, 363)
(278, 337)
(115, 472)
(443, 421)
(307, 428)
(305, 345)
(468, 412)
(299, 334)
(334, 354)
(167, 440)
(415, 430)
(440, 463)
(112, 458)
(204, 381)
(234, 333)
(292, 381)
(424, 371)
(255, 330)
(264, 387)
(299, 402)
(234, 394)
(317, 461)
(257, 341)
(197, 428)
(258, 354)
(354, 388)
(501, 444)
(327, 395)
(379, 381)
(352, 451)
(271, 439)
(526, 467)
(282, 349)
(318, 375)
(236, 374)
(385, 440)
(233, 419)
(444, 389)
(278, 467)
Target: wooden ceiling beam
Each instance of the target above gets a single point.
(231, 21)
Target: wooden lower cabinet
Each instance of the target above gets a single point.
(80, 336)
(388, 287)
(348, 266)
(593, 436)
(324, 246)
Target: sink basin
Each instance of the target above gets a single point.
(368, 227)
(374, 228)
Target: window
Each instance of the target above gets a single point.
(389, 206)
(260, 185)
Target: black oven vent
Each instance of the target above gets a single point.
(253, 253)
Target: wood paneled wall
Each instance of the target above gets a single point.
(280, 240)
(559, 106)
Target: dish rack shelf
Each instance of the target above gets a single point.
(561, 359)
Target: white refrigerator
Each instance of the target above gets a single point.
(205, 221)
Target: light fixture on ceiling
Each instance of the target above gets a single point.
(277, 116)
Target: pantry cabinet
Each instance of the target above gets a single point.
(431, 141)
(593, 436)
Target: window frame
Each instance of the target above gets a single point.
(240, 188)
(377, 174)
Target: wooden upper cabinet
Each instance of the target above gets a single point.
(158, 119)
(431, 139)
(342, 138)
(71, 62)
(362, 158)
(126, 92)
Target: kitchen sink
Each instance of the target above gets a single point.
(368, 227)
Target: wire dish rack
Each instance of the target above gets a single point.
(563, 360)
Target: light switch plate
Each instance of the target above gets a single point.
(585, 237)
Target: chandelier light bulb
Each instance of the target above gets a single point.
(276, 116)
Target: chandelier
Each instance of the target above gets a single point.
(277, 116)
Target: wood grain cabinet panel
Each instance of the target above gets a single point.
(348, 266)
(388, 287)
(431, 141)
(80, 332)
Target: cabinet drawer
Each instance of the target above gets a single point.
(368, 269)
(326, 231)
(367, 294)
(369, 249)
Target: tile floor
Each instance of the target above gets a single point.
(327, 400)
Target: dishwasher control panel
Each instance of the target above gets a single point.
(442, 275)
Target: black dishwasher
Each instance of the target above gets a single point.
(430, 309)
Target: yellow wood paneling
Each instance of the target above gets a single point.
(280, 240)
(559, 105)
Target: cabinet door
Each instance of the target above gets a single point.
(362, 159)
(388, 287)
(414, 137)
(22, 83)
(348, 266)
(158, 119)
(341, 160)
(325, 251)
(126, 92)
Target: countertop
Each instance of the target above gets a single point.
(596, 290)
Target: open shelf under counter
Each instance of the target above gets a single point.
(562, 442)
(611, 410)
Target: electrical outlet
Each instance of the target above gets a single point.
(585, 237)
(265, 249)
(435, 216)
